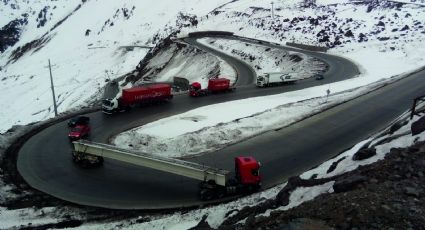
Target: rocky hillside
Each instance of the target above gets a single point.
(385, 195)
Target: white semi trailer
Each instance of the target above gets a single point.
(215, 183)
(271, 79)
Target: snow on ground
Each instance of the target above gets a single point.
(26, 217)
(404, 139)
(304, 194)
(264, 59)
(85, 50)
(205, 129)
(378, 42)
(217, 214)
(180, 62)
(82, 63)
(6, 140)
(375, 37)
(202, 130)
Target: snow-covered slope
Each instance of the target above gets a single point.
(83, 40)
(381, 53)
(385, 37)
(182, 61)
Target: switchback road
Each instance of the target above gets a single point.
(45, 159)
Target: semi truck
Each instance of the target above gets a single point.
(136, 96)
(215, 85)
(215, 182)
(271, 79)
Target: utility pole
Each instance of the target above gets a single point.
(272, 11)
(53, 90)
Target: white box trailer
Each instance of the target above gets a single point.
(278, 78)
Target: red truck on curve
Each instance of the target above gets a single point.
(215, 182)
(136, 96)
(215, 85)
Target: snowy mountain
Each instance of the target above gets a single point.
(91, 41)
(85, 44)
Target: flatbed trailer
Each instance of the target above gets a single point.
(215, 182)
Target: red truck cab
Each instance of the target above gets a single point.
(247, 171)
(215, 85)
(196, 90)
(79, 131)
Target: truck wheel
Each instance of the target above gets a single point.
(74, 159)
(221, 193)
(206, 194)
(100, 161)
(85, 164)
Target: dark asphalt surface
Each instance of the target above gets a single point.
(45, 160)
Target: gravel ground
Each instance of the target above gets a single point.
(386, 195)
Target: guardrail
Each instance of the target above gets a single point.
(226, 34)
(308, 47)
(210, 33)
(415, 104)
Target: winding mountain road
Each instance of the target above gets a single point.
(45, 159)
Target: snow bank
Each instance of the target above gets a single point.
(207, 129)
(85, 50)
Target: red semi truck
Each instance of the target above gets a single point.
(215, 182)
(138, 95)
(247, 179)
(215, 85)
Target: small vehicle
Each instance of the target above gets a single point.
(78, 120)
(79, 132)
(319, 77)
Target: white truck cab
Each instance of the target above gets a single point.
(109, 105)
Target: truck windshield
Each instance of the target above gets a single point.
(255, 172)
(107, 102)
(76, 130)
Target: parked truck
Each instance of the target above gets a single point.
(215, 85)
(138, 95)
(271, 79)
(215, 183)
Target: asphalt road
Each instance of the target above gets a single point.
(45, 160)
